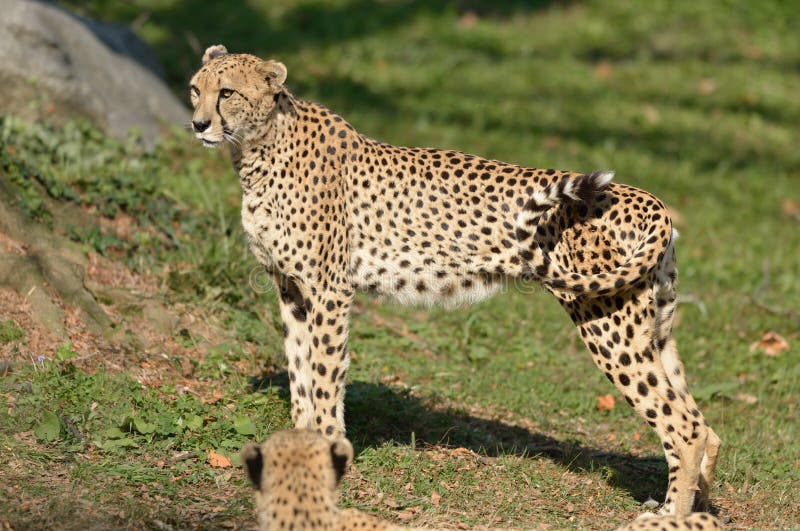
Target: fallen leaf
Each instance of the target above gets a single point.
(468, 19)
(605, 403)
(603, 70)
(636, 436)
(771, 343)
(408, 514)
(215, 397)
(187, 369)
(460, 451)
(435, 498)
(746, 398)
(391, 503)
(791, 208)
(217, 460)
(611, 437)
(706, 87)
(651, 114)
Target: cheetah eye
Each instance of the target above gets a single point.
(195, 91)
(225, 93)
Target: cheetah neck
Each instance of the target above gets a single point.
(269, 136)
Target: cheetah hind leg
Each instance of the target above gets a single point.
(623, 333)
(665, 298)
(708, 463)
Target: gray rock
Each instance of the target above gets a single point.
(55, 65)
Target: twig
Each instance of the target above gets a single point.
(777, 310)
(762, 287)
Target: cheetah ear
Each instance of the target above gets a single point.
(274, 74)
(212, 52)
(252, 458)
(342, 456)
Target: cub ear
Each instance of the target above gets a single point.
(342, 457)
(274, 74)
(212, 52)
(252, 458)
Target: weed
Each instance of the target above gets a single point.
(9, 331)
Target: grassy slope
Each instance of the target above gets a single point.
(695, 101)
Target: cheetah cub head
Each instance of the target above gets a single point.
(296, 474)
(233, 96)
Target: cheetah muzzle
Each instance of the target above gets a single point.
(328, 211)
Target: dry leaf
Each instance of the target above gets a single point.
(746, 398)
(605, 403)
(435, 498)
(215, 397)
(636, 436)
(187, 369)
(603, 70)
(217, 460)
(791, 208)
(611, 437)
(391, 503)
(706, 87)
(468, 19)
(408, 514)
(460, 451)
(651, 114)
(771, 343)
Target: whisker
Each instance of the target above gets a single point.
(232, 138)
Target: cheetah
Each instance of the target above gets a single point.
(696, 521)
(328, 211)
(296, 473)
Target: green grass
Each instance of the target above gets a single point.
(10, 332)
(694, 101)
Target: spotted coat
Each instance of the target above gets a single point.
(329, 211)
(296, 474)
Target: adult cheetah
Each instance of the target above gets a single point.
(296, 474)
(328, 211)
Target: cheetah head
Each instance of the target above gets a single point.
(296, 469)
(233, 95)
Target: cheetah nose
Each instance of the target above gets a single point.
(199, 127)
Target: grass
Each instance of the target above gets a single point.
(694, 101)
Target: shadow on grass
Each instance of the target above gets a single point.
(376, 414)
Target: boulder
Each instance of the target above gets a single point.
(55, 65)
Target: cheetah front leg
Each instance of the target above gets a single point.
(315, 330)
(297, 347)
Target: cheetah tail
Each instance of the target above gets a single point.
(583, 188)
